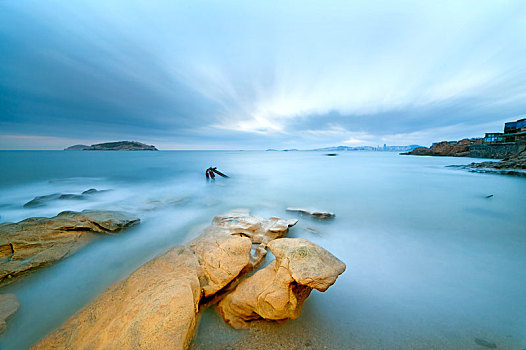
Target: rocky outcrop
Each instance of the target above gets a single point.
(114, 146)
(156, 307)
(445, 148)
(319, 214)
(43, 200)
(36, 242)
(515, 165)
(278, 291)
(8, 306)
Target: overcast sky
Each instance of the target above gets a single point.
(258, 74)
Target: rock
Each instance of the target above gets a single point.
(114, 146)
(92, 191)
(157, 306)
(278, 291)
(514, 165)
(314, 213)
(445, 148)
(36, 242)
(8, 306)
(43, 200)
(486, 343)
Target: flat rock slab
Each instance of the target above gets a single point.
(36, 242)
(8, 306)
(157, 306)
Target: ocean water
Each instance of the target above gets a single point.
(431, 262)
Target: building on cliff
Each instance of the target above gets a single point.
(513, 132)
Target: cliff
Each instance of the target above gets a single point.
(114, 146)
(445, 148)
(471, 148)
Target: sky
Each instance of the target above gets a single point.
(258, 74)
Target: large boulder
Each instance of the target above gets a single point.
(36, 242)
(278, 291)
(157, 306)
(8, 306)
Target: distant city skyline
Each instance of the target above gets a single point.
(258, 75)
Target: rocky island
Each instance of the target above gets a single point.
(114, 146)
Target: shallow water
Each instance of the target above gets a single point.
(431, 262)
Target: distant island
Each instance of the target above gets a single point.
(114, 146)
(385, 148)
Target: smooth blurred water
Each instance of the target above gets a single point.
(431, 262)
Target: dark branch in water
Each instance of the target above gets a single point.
(210, 173)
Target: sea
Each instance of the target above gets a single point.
(435, 255)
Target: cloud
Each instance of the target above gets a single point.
(259, 74)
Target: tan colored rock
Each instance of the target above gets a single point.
(36, 242)
(156, 307)
(278, 291)
(8, 306)
(446, 148)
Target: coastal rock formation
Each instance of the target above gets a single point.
(157, 306)
(114, 146)
(445, 148)
(43, 200)
(515, 165)
(278, 291)
(8, 306)
(314, 213)
(35, 242)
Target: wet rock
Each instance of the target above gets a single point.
(157, 306)
(36, 242)
(43, 200)
(278, 291)
(314, 213)
(93, 191)
(486, 343)
(312, 230)
(515, 165)
(8, 306)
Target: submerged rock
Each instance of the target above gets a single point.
(8, 306)
(157, 306)
(486, 343)
(278, 291)
(35, 242)
(43, 200)
(314, 213)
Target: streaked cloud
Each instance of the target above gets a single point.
(231, 75)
